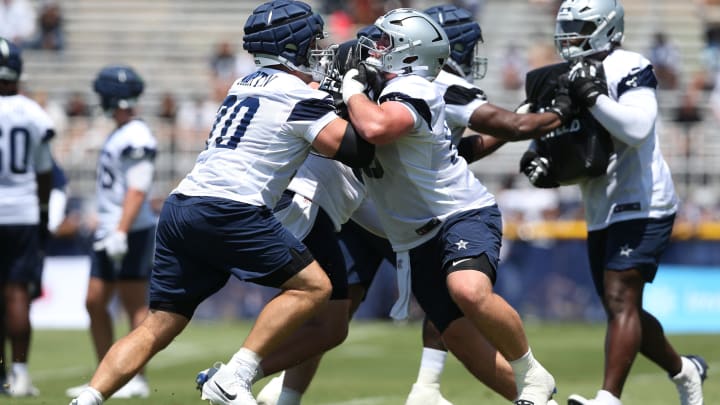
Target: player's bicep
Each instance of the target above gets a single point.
(328, 140)
(401, 119)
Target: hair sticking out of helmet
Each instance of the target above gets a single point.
(283, 32)
(411, 42)
(588, 27)
(465, 36)
(11, 63)
(118, 87)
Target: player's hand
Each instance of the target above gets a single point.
(116, 245)
(534, 166)
(373, 79)
(562, 103)
(351, 85)
(587, 82)
(346, 57)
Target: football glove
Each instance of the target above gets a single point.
(116, 246)
(537, 169)
(562, 103)
(351, 85)
(587, 82)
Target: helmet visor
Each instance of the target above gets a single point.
(575, 27)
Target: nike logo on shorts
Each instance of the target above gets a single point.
(456, 262)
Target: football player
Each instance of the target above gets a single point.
(122, 255)
(468, 107)
(630, 211)
(439, 218)
(218, 222)
(25, 183)
(365, 243)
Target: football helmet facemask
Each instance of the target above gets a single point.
(465, 37)
(411, 43)
(586, 27)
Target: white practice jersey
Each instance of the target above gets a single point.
(457, 116)
(331, 185)
(418, 180)
(125, 147)
(638, 183)
(25, 133)
(261, 136)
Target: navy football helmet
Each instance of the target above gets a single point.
(118, 87)
(283, 32)
(10, 61)
(465, 38)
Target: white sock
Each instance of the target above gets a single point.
(687, 368)
(90, 396)
(289, 396)
(19, 368)
(607, 398)
(246, 363)
(522, 365)
(431, 366)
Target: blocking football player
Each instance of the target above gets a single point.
(218, 222)
(439, 218)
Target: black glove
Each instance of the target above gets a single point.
(587, 82)
(537, 170)
(373, 79)
(562, 103)
(347, 57)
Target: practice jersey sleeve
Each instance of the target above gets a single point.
(309, 116)
(461, 99)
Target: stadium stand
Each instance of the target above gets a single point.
(170, 42)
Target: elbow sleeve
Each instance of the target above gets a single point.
(354, 151)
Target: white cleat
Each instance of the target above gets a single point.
(426, 394)
(689, 381)
(270, 393)
(137, 387)
(20, 385)
(225, 387)
(576, 399)
(536, 388)
(73, 392)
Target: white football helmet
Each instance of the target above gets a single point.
(411, 43)
(586, 27)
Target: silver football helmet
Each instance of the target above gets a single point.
(411, 43)
(586, 27)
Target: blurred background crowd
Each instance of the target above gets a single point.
(189, 52)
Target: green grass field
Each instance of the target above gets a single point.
(375, 366)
